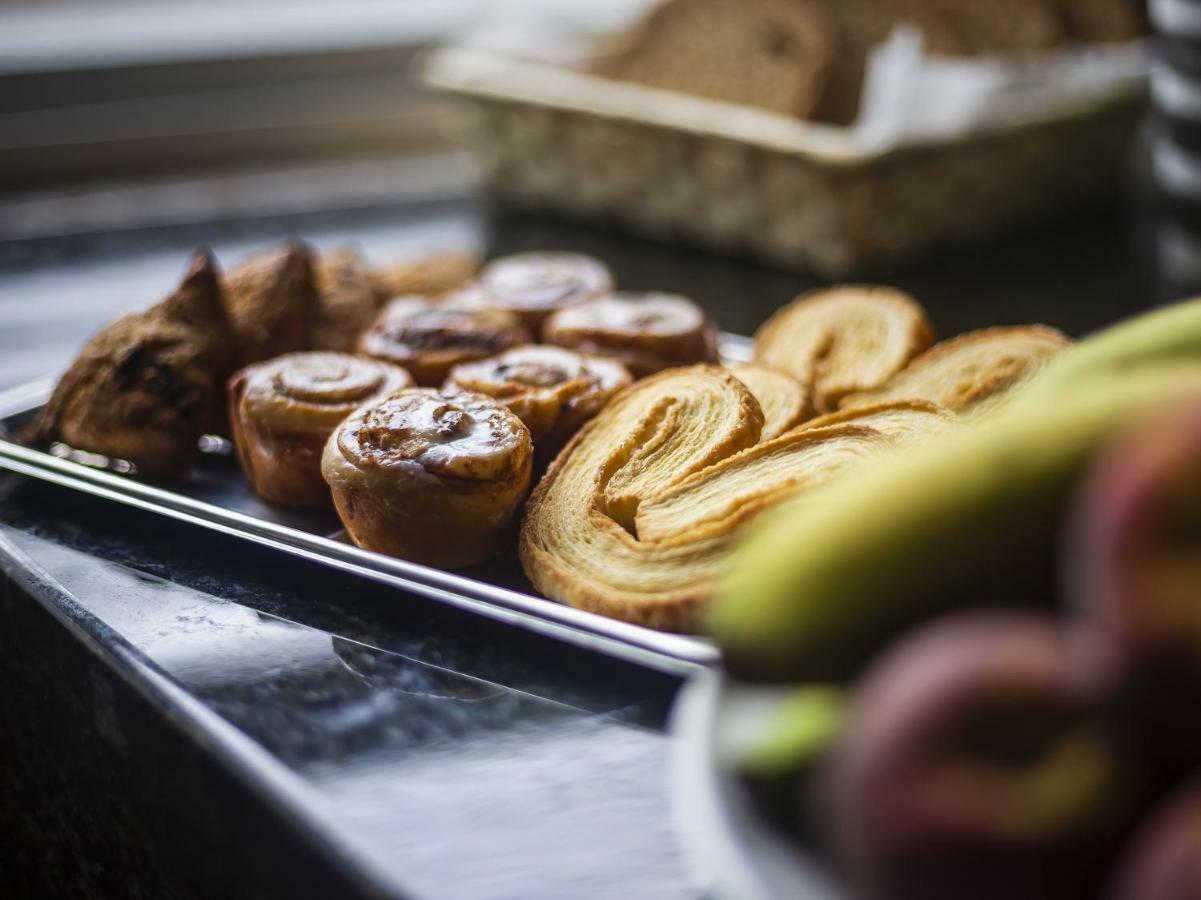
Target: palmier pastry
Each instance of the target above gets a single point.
(426, 276)
(346, 301)
(430, 338)
(904, 422)
(272, 301)
(971, 370)
(284, 410)
(633, 518)
(553, 390)
(428, 477)
(783, 399)
(534, 285)
(844, 340)
(145, 388)
(647, 332)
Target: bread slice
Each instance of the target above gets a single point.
(1101, 21)
(844, 340)
(772, 54)
(962, 373)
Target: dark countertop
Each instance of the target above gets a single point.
(445, 757)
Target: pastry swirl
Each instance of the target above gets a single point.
(432, 478)
(965, 372)
(647, 332)
(285, 409)
(844, 340)
(634, 516)
(534, 285)
(783, 399)
(429, 338)
(552, 389)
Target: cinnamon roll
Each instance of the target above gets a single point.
(430, 338)
(553, 390)
(647, 332)
(844, 340)
(534, 285)
(783, 399)
(971, 371)
(284, 410)
(633, 519)
(429, 477)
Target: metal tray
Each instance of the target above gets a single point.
(214, 495)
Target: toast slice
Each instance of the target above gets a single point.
(771, 54)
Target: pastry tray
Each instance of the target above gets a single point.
(215, 495)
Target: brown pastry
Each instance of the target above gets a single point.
(430, 275)
(648, 332)
(534, 285)
(430, 338)
(272, 301)
(284, 410)
(1102, 21)
(844, 339)
(553, 390)
(430, 478)
(783, 399)
(145, 388)
(772, 54)
(346, 301)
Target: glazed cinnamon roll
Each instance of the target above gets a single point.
(429, 477)
(647, 332)
(844, 340)
(553, 390)
(284, 410)
(429, 338)
(634, 518)
(534, 285)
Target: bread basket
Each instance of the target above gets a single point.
(740, 180)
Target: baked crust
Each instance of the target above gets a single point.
(431, 275)
(648, 332)
(532, 286)
(784, 400)
(284, 410)
(346, 301)
(429, 338)
(634, 517)
(844, 340)
(551, 389)
(146, 387)
(272, 301)
(966, 372)
(428, 477)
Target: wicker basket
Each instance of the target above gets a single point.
(742, 180)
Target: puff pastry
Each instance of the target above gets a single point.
(904, 422)
(534, 285)
(284, 410)
(552, 389)
(783, 399)
(429, 338)
(844, 340)
(272, 301)
(633, 518)
(146, 387)
(647, 332)
(428, 477)
(964, 373)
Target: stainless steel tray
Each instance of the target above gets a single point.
(215, 496)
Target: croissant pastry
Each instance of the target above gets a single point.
(633, 518)
(428, 276)
(534, 285)
(430, 338)
(272, 301)
(428, 477)
(346, 301)
(647, 332)
(783, 399)
(844, 340)
(146, 387)
(553, 390)
(284, 410)
(966, 372)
